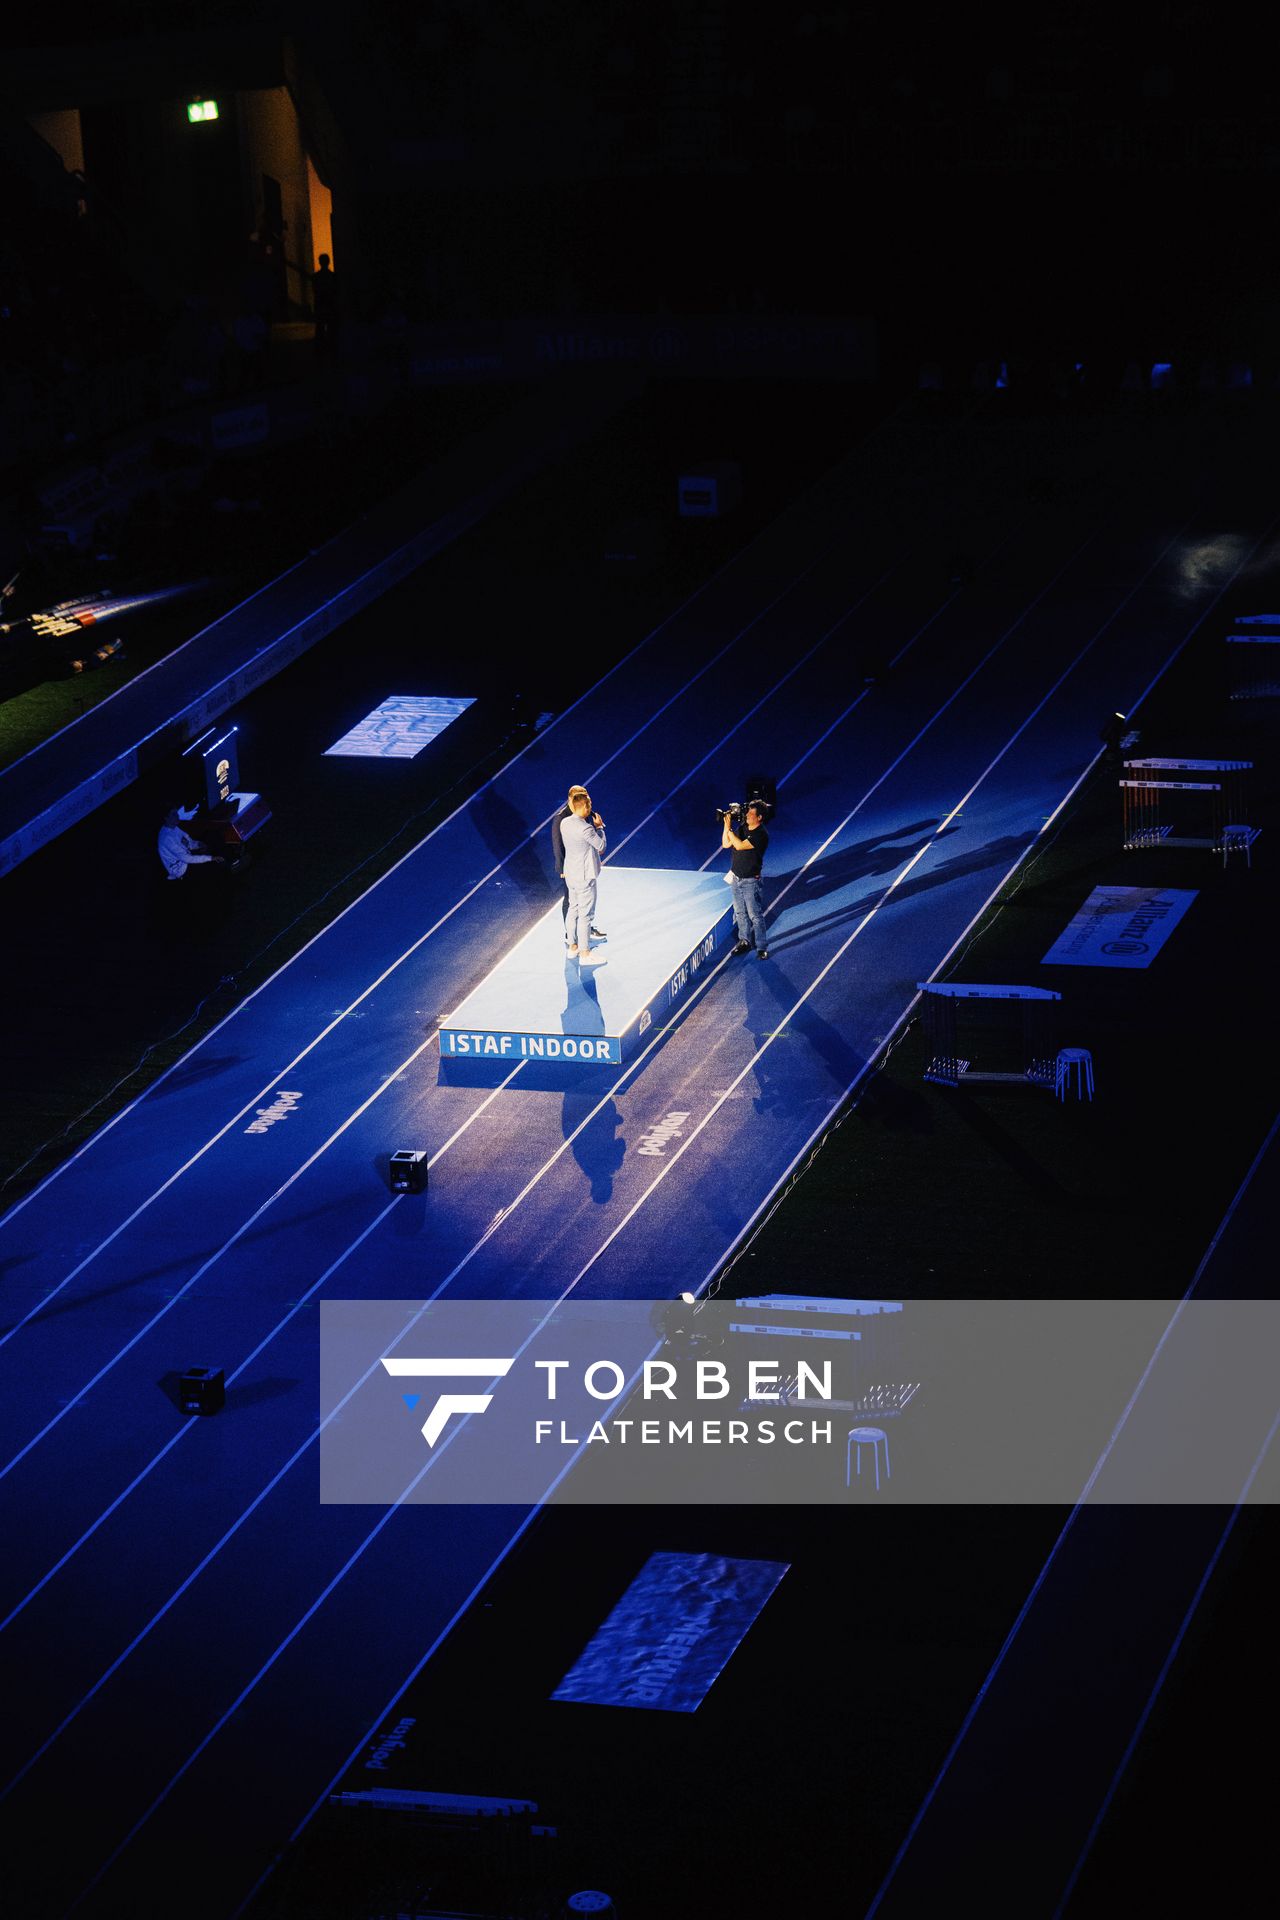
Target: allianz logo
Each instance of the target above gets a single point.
(656, 1140)
(280, 1109)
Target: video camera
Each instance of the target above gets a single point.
(761, 792)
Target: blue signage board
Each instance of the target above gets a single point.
(595, 1049)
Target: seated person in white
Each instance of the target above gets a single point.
(178, 850)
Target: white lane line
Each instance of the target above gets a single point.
(179, 1436)
(409, 951)
(300, 1624)
(41, 1304)
(1071, 1517)
(774, 527)
(1068, 1524)
(817, 854)
(867, 1065)
(896, 882)
(261, 1347)
(633, 1068)
(201, 1270)
(231, 1531)
(1174, 1650)
(165, 659)
(763, 701)
(566, 1145)
(521, 1529)
(461, 808)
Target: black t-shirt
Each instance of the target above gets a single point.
(747, 861)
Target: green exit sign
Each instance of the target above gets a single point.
(202, 110)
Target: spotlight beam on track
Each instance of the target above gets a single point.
(285, 1071)
(470, 1120)
(201, 1270)
(886, 894)
(832, 629)
(817, 854)
(501, 1218)
(703, 587)
(626, 1075)
(245, 1364)
(519, 1531)
(387, 1210)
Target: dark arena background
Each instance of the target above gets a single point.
(413, 412)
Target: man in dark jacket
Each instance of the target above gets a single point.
(557, 848)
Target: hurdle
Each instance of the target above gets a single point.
(1253, 658)
(1218, 801)
(1037, 1036)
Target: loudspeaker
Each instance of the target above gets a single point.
(202, 1390)
(408, 1171)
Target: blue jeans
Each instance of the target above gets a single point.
(748, 911)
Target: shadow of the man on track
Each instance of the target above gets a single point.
(992, 857)
(505, 833)
(598, 1149)
(781, 1081)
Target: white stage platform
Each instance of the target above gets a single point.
(537, 1004)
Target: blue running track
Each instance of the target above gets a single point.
(193, 1645)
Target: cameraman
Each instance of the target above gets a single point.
(745, 868)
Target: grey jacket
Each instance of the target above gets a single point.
(583, 846)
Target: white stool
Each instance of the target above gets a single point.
(1239, 839)
(1077, 1061)
(860, 1437)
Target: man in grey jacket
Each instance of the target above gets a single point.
(557, 851)
(582, 833)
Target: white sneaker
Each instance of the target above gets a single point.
(593, 959)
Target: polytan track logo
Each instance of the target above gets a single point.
(447, 1403)
(280, 1109)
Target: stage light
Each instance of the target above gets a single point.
(198, 110)
(408, 1171)
(202, 1390)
